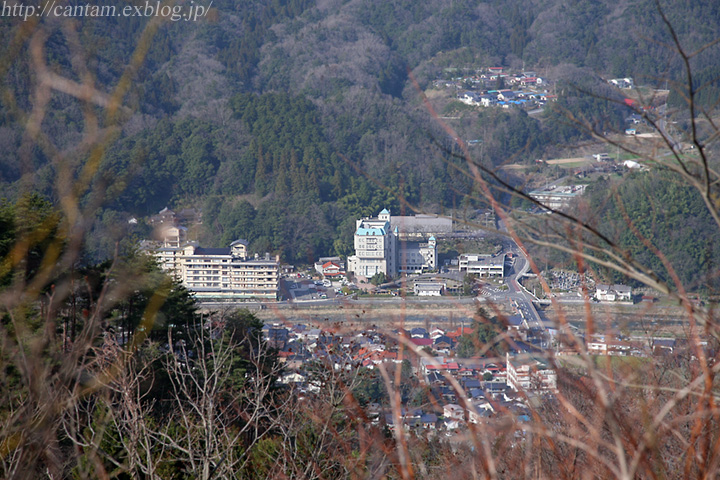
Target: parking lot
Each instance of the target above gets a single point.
(304, 288)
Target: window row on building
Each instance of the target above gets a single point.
(220, 273)
(381, 247)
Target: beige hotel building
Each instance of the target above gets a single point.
(221, 273)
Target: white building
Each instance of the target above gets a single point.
(454, 411)
(480, 412)
(170, 235)
(530, 374)
(487, 100)
(330, 267)
(417, 257)
(482, 265)
(375, 247)
(221, 273)
(379, 249)
(429, 289)
(602, 157)
(557, 197)
(469, 98)
(611, 293)
(602, 345)
(626, 82)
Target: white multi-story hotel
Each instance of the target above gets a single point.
(375, 247)
(221, 273)
(379, 249)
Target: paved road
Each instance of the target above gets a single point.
(522, 299)
(371, 301)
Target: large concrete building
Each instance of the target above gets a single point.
(375, 247)
(417, 257)
(221, 273)
(421, 226)
(482, 265)
(379, 248)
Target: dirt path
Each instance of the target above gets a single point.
(562, 161)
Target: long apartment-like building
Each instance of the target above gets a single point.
(221, 273)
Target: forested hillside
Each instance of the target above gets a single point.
(285, 120)
(651, 211)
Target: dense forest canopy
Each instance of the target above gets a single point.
(662, 213)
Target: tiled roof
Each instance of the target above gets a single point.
(370, 231)
(212, 251)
